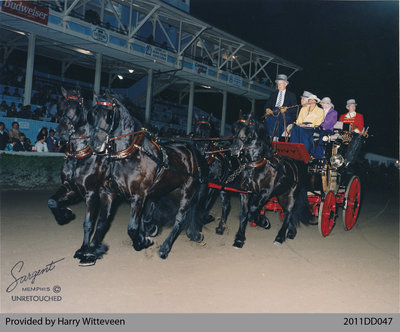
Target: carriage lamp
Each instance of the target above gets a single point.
(336, 160)
(325, 138)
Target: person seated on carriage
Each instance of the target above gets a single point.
(356, 120)
(276, 105)
(303, 102)
(326, 128)
(310, 117)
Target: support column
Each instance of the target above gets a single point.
(149, 96)
(97, 74)
(223, 116)
(190, 109)
(253, 106)
(29, 69)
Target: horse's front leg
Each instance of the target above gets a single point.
(226, 207)
(58, 204)
(94, 249)
(243, 219)
(92, 211)
(135, 231)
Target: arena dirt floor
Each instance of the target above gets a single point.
(353, 271)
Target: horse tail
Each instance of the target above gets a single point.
(301, 209)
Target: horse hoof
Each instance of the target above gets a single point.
(278, 240)
(209, 219)
(88, 260)
(79, 254)
(277, 243)
(238, 244)
(219, 230)
(162, 253)
(197, 238)
(66, 217)
(264, 222)
(291, 235)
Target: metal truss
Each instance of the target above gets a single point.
(182, 36)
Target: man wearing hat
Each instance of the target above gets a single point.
(356, 120)
(310, 117)
(276, 105)
(330, 119)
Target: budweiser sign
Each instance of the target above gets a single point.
(27, 10)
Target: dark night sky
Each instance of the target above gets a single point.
(347, 49)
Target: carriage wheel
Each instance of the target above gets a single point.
(352, 203)
(326, 215)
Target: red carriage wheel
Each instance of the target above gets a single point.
(327, 213)
(352, 203)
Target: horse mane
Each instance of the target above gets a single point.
(263, 138)
(131, 119)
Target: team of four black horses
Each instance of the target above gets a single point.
(111, 155)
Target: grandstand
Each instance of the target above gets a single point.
(153, 52)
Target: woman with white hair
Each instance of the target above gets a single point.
(326, 126)
(310, 117)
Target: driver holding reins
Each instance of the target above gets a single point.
(277, 113)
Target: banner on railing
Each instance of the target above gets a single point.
(235, 80)
(100, 35)
(27, 10)
(156, 53)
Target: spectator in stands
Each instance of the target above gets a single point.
(310, 117)
(20, 108)
(3, 136)
(3, 106)
(14, 131)
(26, 112)
(12, 111)
(29, 144)
(356, 120)
(52, 142)
(52, 110)
(16, 93)
(6, 91)
(43, 132)
(10, 146)
(41, 145)
(277, 105)
(21, 144)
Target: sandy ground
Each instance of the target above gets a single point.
(347, 272)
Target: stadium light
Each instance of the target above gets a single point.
(120, 77)
(131, 71)
(81, 50)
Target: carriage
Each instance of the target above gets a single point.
(333, 183)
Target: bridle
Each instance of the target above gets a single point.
(110, 106)
(85, 152)
(78, 117)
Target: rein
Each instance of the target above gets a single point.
(226, 138)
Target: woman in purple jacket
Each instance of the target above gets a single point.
(327, 126)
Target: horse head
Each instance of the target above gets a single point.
(249, 137)
(203, 128)
(71, 112)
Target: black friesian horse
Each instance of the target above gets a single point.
(265, 176)
(81, 174)
(141, 169)
(219, 167)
